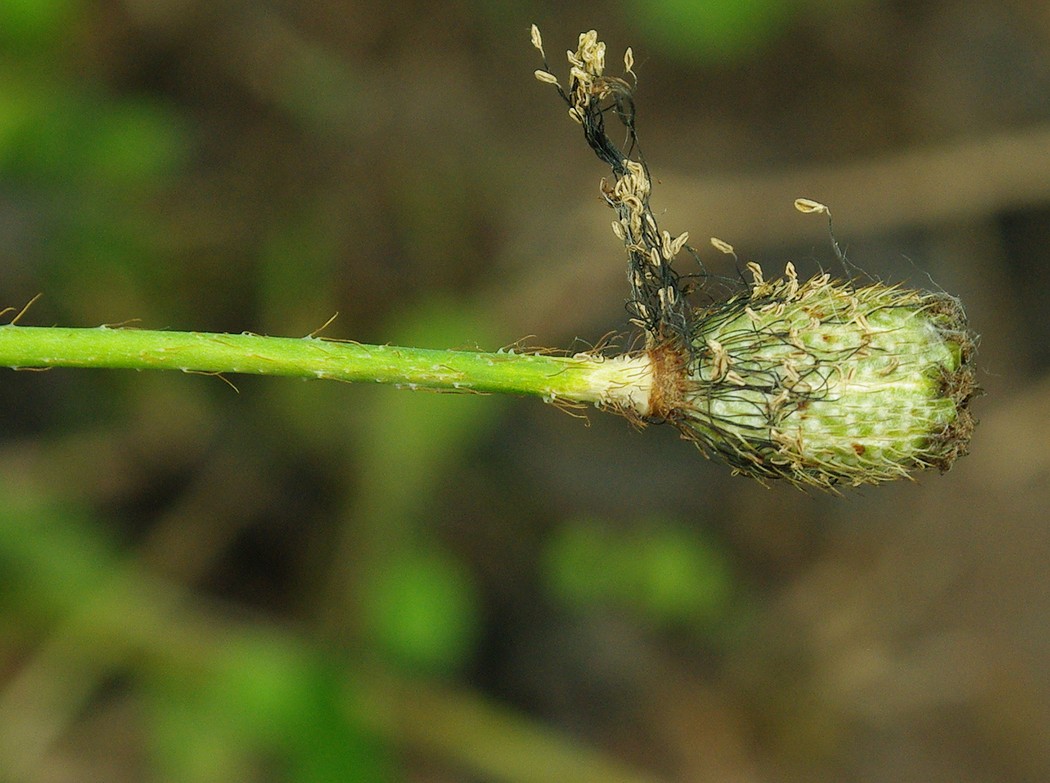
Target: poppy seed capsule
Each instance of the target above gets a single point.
(823, 382)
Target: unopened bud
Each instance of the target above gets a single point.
(823, 382)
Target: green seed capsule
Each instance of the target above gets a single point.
(824, 382)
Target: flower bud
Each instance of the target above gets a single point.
(823, 382)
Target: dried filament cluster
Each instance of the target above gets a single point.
(656, 304)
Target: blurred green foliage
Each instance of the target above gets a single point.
(77, 142)
(25, 24)
(660, 572)
(421, 610)
(262, 707)
(218, 705)
(711, 31)
(51, 554)
(89, 168)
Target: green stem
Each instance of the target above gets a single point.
(621, 381)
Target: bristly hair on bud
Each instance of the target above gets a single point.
(823, 382)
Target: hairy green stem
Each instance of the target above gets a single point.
(622, 382)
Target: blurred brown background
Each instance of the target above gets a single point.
(310, 581)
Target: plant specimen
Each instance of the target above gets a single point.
(820, 382)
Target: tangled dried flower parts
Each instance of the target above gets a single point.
(819, 382)
(656, 304)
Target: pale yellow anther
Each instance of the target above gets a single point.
(809, 206)
(723, 247)
(756, 274)
(536, 40)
